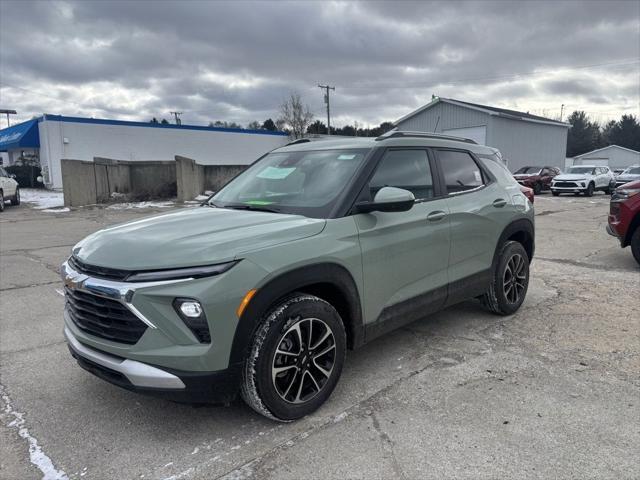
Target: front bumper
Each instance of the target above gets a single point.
(180, 386)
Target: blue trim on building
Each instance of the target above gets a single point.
(20, 135)
(102, 121)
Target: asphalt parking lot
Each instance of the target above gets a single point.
(551, 392)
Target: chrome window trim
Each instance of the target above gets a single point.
(114, 290)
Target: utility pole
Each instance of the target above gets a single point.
(177, 117)
(326, 100)
(561, 111)
(8, 112)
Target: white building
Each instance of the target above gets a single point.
(522, 138)
(612, 156)
(54, 137)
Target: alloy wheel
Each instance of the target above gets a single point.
(303, 360)
(514, 278)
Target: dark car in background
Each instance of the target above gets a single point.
(536, 178)
(624, 217)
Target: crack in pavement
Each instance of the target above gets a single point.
(388, 445)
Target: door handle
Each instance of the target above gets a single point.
(499, 203)
(436, 216)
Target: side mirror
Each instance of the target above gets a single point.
(12, 175)
(388, 199)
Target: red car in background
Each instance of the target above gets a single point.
(536, 178)
(624, 217)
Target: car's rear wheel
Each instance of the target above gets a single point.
(510, 280)
(296, 358)
(537, 188)
(635, 244)
(589, 191)
(16, 198)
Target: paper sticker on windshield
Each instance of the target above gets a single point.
(478, 176)
(275, 173)
(346, 157)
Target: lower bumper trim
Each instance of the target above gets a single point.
(138, 373)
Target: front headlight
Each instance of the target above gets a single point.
(180, 273)
(625, 193)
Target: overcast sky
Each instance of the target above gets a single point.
(237, 61)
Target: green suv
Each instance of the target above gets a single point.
(316, 248)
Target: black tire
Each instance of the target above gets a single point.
(609, 190)
(589, 191)
(1, 201)
(499, 298)
(294, 326)
(16, 198)
(537, 188)
(554, 193)
(635, 244)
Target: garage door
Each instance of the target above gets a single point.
(599, 162)
(478, 134)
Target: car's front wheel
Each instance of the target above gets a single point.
(510, 280)
(554, 193)
(537, 188)
(296, 358)
(589, 191)
(16, 198)
(1, 201)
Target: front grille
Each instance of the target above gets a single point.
(565, 184)
(99, 272)
(103, 317)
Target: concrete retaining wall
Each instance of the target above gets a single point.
(89, 183)
(194, 179)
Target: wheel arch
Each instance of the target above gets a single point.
(521, 231)
(329, 281)
(635, 223)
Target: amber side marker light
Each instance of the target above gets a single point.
(245, 301)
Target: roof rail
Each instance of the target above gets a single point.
(299, 140)
(400, 134)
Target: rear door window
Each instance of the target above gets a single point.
(460, 171)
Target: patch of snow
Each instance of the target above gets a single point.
(201, 198)
(340, 417)
(36, 455)
(195, 450)
(42, 198)
(56, 210)
(135, 205)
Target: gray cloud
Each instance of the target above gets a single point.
(237, 61)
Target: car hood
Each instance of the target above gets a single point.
(191, 237)
(572, 176)
(628, 177)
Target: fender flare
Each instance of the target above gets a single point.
(294, 280)
(517, 226)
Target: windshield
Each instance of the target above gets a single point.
(529, 170)
(586, 170)
(632, 171)
(305, 183)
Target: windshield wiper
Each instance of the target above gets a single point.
(256, 208)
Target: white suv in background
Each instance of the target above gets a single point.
(8, 189)
(584, 179)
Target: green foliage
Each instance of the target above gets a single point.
(586, 135)
(26, 175)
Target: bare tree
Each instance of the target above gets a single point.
(295, 116)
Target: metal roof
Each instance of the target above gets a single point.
(496, 111)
